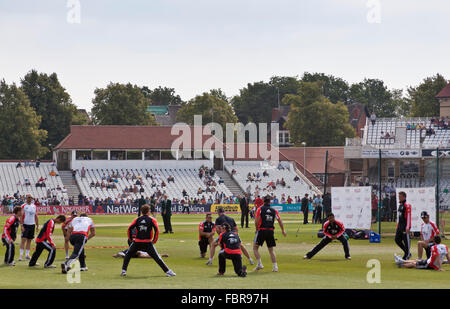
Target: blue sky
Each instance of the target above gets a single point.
(197, 45)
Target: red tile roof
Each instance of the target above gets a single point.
(315, 158)
(122, 137)
(445, 93)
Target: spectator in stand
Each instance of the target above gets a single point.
(373, 118)
(19, 164)
(38, 162)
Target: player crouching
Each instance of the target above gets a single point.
(44, 241)
(231, 249)
(438, 253)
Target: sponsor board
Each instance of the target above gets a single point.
(390, 153)
(352, 206)
(226, 207)
(421, 199)
(62, 209)
(133, 209)
(287, 207)
(432, 153)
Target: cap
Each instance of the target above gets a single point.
(424, 214)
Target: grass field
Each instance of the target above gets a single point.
(328, 269)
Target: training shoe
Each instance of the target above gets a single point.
(20, 259)
(275, 269)
(251, 262)
(258, 267)
(244, 271)
(28, 257)
(123, 273)
(306, 257)
(12, 264)
(37, 264)
(170, 273)
(219, 274)
(348, 258)
(50, 266)
(83, 269)
(209, 263)
(63, 268)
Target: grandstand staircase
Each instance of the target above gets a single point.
(72, 188)
(230, 183)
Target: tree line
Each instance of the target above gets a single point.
(37, 114)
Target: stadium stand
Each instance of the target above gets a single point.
(13, 180)
(240, 171)
(151, 180)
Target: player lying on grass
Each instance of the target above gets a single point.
(9, 235)
(333, 229)
(45, 241)
(264, 221)
(438, 253)
(428, 230)
(147, 232)
(230, 244)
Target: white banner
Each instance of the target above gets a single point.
(390, 153)
(421, 199)
(352, 206)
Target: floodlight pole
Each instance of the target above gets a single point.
(325, 181)
(379, 191)
(437, 188)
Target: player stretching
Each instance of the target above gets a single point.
(428, 230)
(9, 235)
(438, 253)
(81, 230)
(29, 223)
(144, 240)
(333, 229)
(231, 249)
(264, 221)
(206, 232)
(65, 227)
(44, 241)
(403, 225)
(219, 222)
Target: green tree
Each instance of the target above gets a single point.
(314, 119)
(21, 137)
(402, 104)
(423, 97)
(162, 96)
(121, 104)
(210, 106)
(256, 101)
(50, 101)
(374, 94)
(334, 88)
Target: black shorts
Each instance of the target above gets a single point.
(265, 236)
(203, 244)
(28, 231)
(423, 264)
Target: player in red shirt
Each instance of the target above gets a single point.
(65, 227)
(9, 235)
(258, 202)
(264, 221)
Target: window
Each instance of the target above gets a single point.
(283, 137)
(167, 155)
(185, 155)
(391, 169)
(118, 154)
(83, 154)
(134, 155)
(152, 155)
(100, 155)
(409, 168)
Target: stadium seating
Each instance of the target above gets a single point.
(12, 180)
(292, 188)
(187, 179)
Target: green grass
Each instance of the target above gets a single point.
(328, 269)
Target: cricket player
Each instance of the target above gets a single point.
(81, 230)
(65, 227)
(230, 243)
(403, 226)
(438, 253)
(9, 235)
(147, 232)
(333, 229)
(264, 221)
(29, 224)
(206, 231)
(428, 230)
(45, 241)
